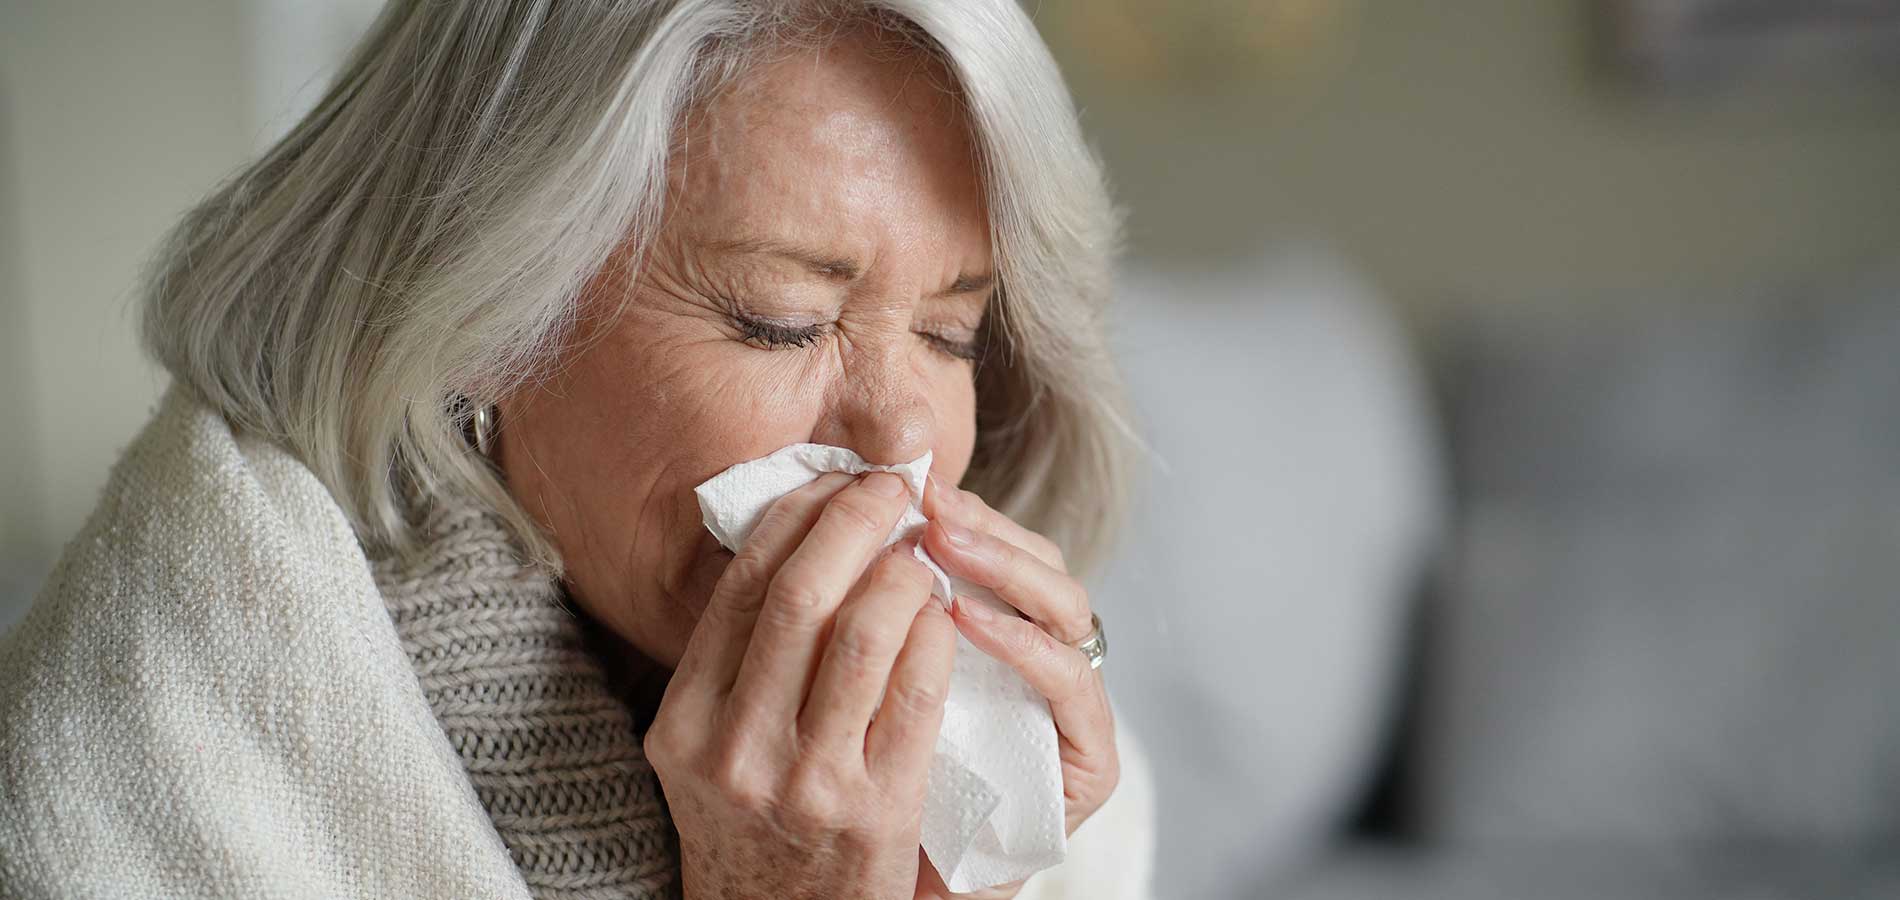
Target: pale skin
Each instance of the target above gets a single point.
(821, 275)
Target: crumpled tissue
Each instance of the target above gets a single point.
(993, 810)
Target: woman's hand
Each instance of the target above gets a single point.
(1025, 569)
(780, 783)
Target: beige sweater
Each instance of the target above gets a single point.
(218, 695)
(548, 744)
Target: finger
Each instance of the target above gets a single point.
(710, 662)
(870, 630)
(1056, 601)
(900, 741)
(806, 590)
(964, 508)
(1059, 672)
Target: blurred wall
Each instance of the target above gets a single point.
(115, 117)
(118, 116)
(1475, 151)
(20, 540)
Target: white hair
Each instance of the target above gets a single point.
(414, 249)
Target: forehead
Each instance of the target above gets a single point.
(860, 141)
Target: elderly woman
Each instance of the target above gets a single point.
(406, 590)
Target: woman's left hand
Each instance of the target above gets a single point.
(1025, 569)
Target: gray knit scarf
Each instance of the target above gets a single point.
(516, 683)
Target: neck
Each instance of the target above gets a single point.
(636, 678)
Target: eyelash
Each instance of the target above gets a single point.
(773, 335)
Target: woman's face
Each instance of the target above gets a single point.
(820, 275)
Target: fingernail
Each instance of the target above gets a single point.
(884, 483)
(945, 492)
(961, 537)
(974, 610)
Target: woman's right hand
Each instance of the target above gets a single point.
(779, 781)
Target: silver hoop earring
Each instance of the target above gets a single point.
(484, 429)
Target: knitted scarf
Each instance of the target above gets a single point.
(549, 746)
(216, 696)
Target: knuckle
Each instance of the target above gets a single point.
(662, 744)
(792, 599)
(902, 572)
(1072, 677)
(862, 512)
(854, 647)
(798, 505)
(1077, 679)
(814, 802)
(743, 582)
(1031, 642)
(918, 698)
(739, 780)
(777, 618)
(783, 513)
(1012, 560)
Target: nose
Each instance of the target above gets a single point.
(881, 409)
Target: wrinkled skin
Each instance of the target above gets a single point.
(821, 274)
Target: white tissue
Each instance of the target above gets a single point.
(993, 811)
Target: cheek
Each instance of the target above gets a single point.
(680, 412)
(607, 454)
(702, 407)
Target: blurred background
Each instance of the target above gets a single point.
(1522, 379)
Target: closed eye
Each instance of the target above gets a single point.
(776, 335)
(971, 349)
(771, 335)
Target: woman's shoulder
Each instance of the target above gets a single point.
(199, 530)
(212, 650)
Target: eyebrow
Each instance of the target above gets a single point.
(837, 268)
(819, 262)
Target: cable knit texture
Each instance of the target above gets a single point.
(549, 747)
